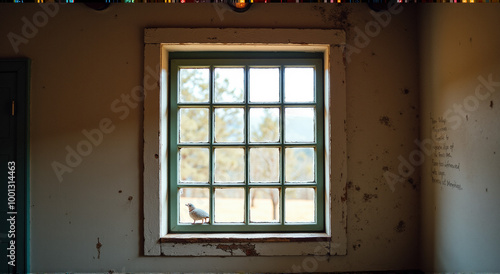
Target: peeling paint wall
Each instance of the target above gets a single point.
(87, 126)
(460, 75)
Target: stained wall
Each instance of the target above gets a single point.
(460, 82)
(89, 218)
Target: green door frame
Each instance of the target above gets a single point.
(18, 165)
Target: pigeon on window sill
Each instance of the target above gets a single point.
(197, 214)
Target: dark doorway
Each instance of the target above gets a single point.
(14, 168)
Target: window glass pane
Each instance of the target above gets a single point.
(299, 85)
(244, 144)
(264, 125)
(299, 164)
(299, 125)
(229, 125)
(264, 205)
(229, 85)
(193, 165)
(193, 85)
(264, 85)
(264, 165)
(300, 205)
(193, 124)
(229, 165)
(198, 197)
(229, 205)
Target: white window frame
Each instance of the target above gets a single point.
(158, 43)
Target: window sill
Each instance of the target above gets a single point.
(246, 244)
(244, 237)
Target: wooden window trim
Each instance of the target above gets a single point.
(158, 43)
(245, 237)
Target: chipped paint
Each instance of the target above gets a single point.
(385, 120)
(401, 227)
(313, 247)
(339, 17)
(248, 249)
(343, 198)
(412, 183)
(367, 197)
(356, 245)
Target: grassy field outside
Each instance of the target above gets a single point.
(230, 210)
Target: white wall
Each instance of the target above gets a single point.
(83, 60)
(460, 207)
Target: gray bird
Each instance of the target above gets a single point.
(197, 213)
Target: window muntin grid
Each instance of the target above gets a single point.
(263, 167)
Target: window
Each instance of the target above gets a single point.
(248, 145)
(243, 141)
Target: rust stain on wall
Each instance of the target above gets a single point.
(98, 247)
(248, 249)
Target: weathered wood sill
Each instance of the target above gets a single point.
(244, 237)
